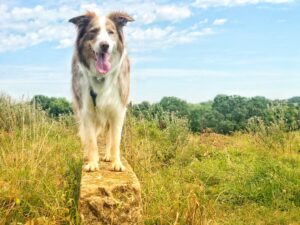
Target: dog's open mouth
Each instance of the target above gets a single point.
(102, 63)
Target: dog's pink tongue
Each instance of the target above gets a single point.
(102, 63)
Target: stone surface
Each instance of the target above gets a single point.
(108, 197)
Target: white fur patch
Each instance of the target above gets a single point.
(103, 36)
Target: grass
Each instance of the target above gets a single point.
(39, 166)
(186, 178)
(214, 179)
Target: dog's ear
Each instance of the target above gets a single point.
(120, 19)
(82, 20)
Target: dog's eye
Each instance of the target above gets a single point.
(111, 32)
(91, 34)
(94, 30)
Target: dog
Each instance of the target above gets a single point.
(100, 84)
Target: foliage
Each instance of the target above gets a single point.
(174, 106)
(54, 106)
(224, 115)
(294, 100)
(276, 133)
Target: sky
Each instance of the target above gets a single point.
(192, 49)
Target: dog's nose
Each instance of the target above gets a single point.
(104, 46)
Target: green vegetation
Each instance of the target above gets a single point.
(210, 178)
(54, 106)
(224, 115)
(249, 177)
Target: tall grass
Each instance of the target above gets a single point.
(39, 166)
(275, 135)
(193, 179)
(211, 178)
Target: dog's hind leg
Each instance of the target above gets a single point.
(89, 140)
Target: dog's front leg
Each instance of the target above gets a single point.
(116, 131)
(89, 140)
(107, 156)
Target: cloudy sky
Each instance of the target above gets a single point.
(192, 49)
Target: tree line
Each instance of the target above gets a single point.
(224, 114)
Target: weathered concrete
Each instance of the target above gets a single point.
(108, 197)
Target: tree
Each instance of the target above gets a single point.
(141, 110)
(233, 109)
(59, 106)
(175, 106)
(257, 106)
(41, 101)
(54, 106)
(294, 100)
(196, 120)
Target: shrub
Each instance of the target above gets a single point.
(272, 136)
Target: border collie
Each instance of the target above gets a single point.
(100, 84)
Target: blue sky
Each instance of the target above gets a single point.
(190, 49)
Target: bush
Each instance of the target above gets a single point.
(55, 107)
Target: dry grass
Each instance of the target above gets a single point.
(39, 162)
(186, 178)
(211, 178)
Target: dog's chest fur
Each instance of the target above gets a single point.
(102, 95)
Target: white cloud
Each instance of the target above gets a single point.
(22, 27)
(173, 13)
(219, 22)
(65, 43)
(154, 38)
(203, 21)
(57, 33)
(145, 12)
(231, 3)
(143, 39)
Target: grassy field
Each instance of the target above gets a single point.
(250, 178)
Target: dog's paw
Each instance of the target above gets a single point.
(118, 166)
(106, 158)
(91, 166)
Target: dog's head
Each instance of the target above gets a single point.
(100, 40)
